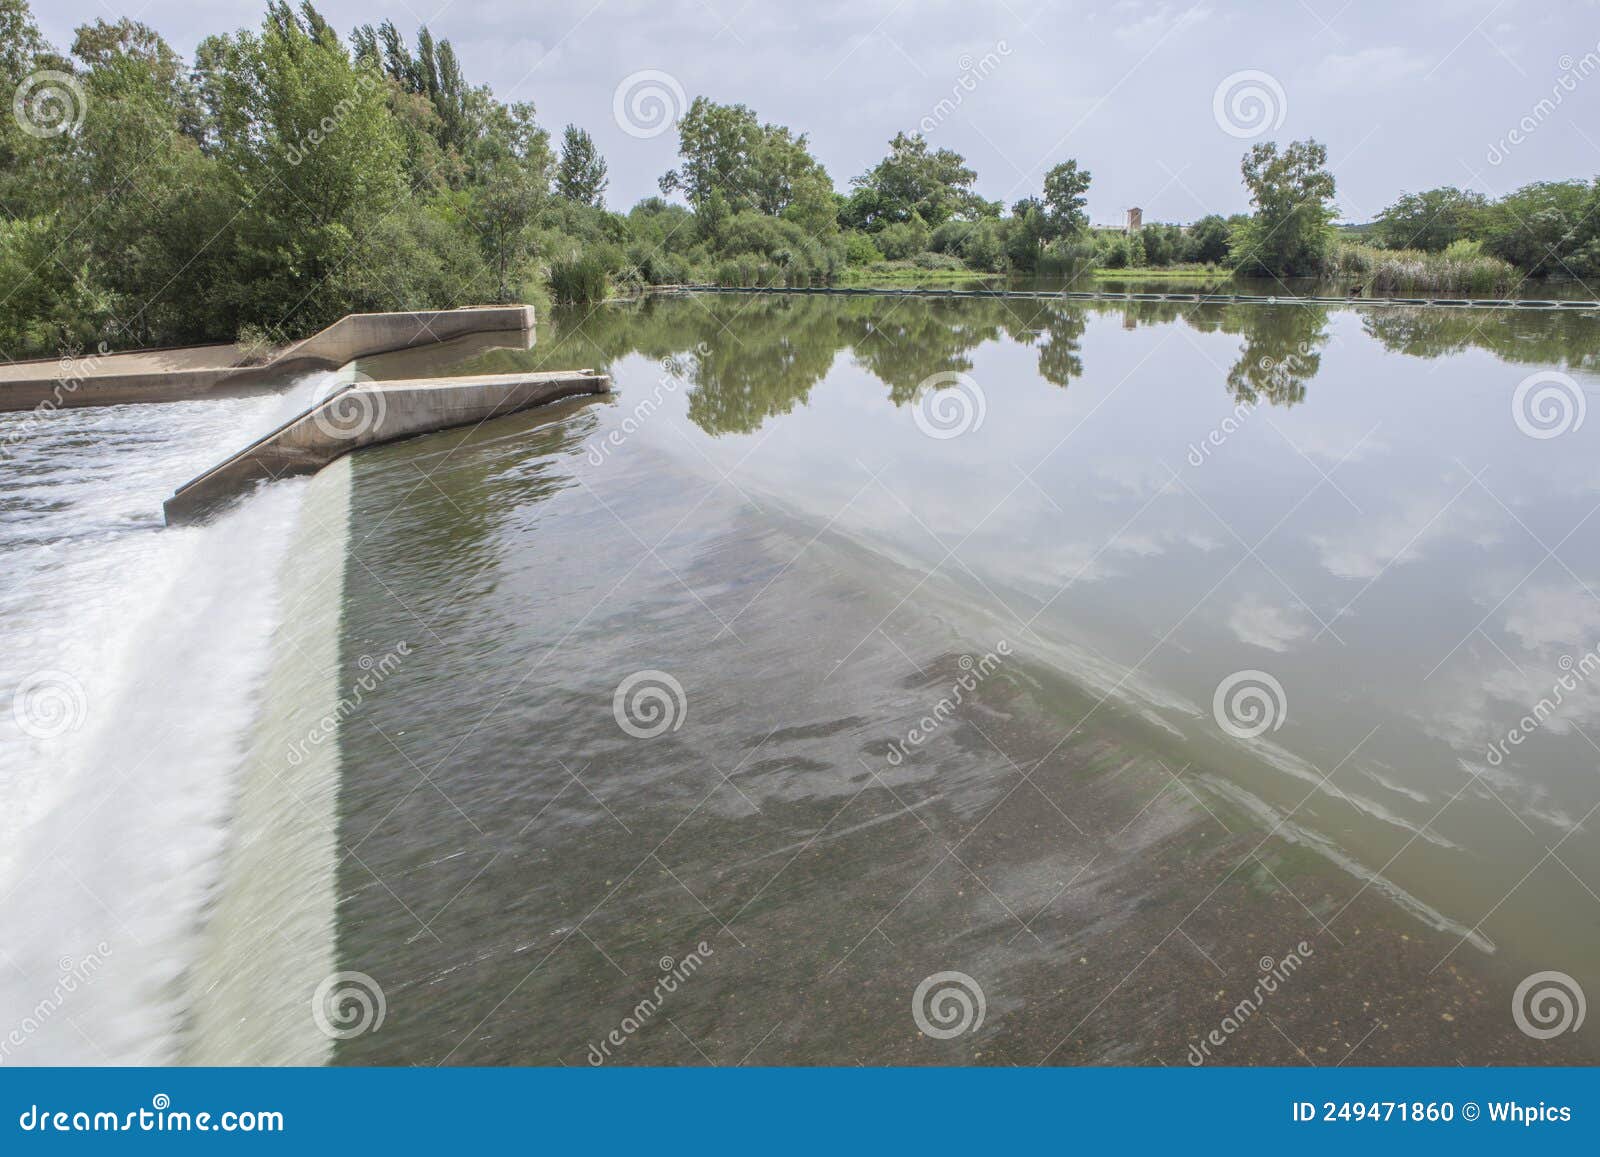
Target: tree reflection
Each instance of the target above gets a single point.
(751, 358)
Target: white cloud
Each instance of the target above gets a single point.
(1369, 68)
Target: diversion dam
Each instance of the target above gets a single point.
(169, 375)
(367, 414)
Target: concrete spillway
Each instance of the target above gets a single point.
(366, 414)
(105, 379)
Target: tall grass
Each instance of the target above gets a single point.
(578, 280)
(1463, 268)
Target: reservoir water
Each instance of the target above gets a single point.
(866, 681)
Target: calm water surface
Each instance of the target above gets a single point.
(948, 664)
(1132, 661)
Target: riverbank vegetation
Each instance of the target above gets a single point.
(289, 174)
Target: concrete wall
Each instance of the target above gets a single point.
(366, 414)
(173, 375)
(360, 335)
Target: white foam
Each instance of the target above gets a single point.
(111, 832)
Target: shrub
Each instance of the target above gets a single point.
(903, 239)
(256, 345)
(578, 279)
(1066, 259)
(860, 250)
(1463, 268)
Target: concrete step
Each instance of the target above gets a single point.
(366, 414)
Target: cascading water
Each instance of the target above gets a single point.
(133, 663)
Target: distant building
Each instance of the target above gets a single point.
(1135, 221)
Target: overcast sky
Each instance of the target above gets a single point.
(1157, 98)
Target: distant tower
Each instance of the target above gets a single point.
(1135, 221)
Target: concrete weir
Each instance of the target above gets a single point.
(108, 379)
(369, 413)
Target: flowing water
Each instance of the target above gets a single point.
(868, 680)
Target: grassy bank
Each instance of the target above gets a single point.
(1463, 268)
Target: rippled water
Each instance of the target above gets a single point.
(1164, 650)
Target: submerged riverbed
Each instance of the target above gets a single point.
(888, 681)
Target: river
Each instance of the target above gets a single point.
(869, 680)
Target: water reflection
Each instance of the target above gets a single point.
(753, 358)
(1369, 527)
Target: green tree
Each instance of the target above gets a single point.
(581, 172)
(1207, 240)
(1540, 227)
(914, 181)
(729, 162)
(314, 163)
(1292, 190)
(1431, 220)
(1065, 196)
